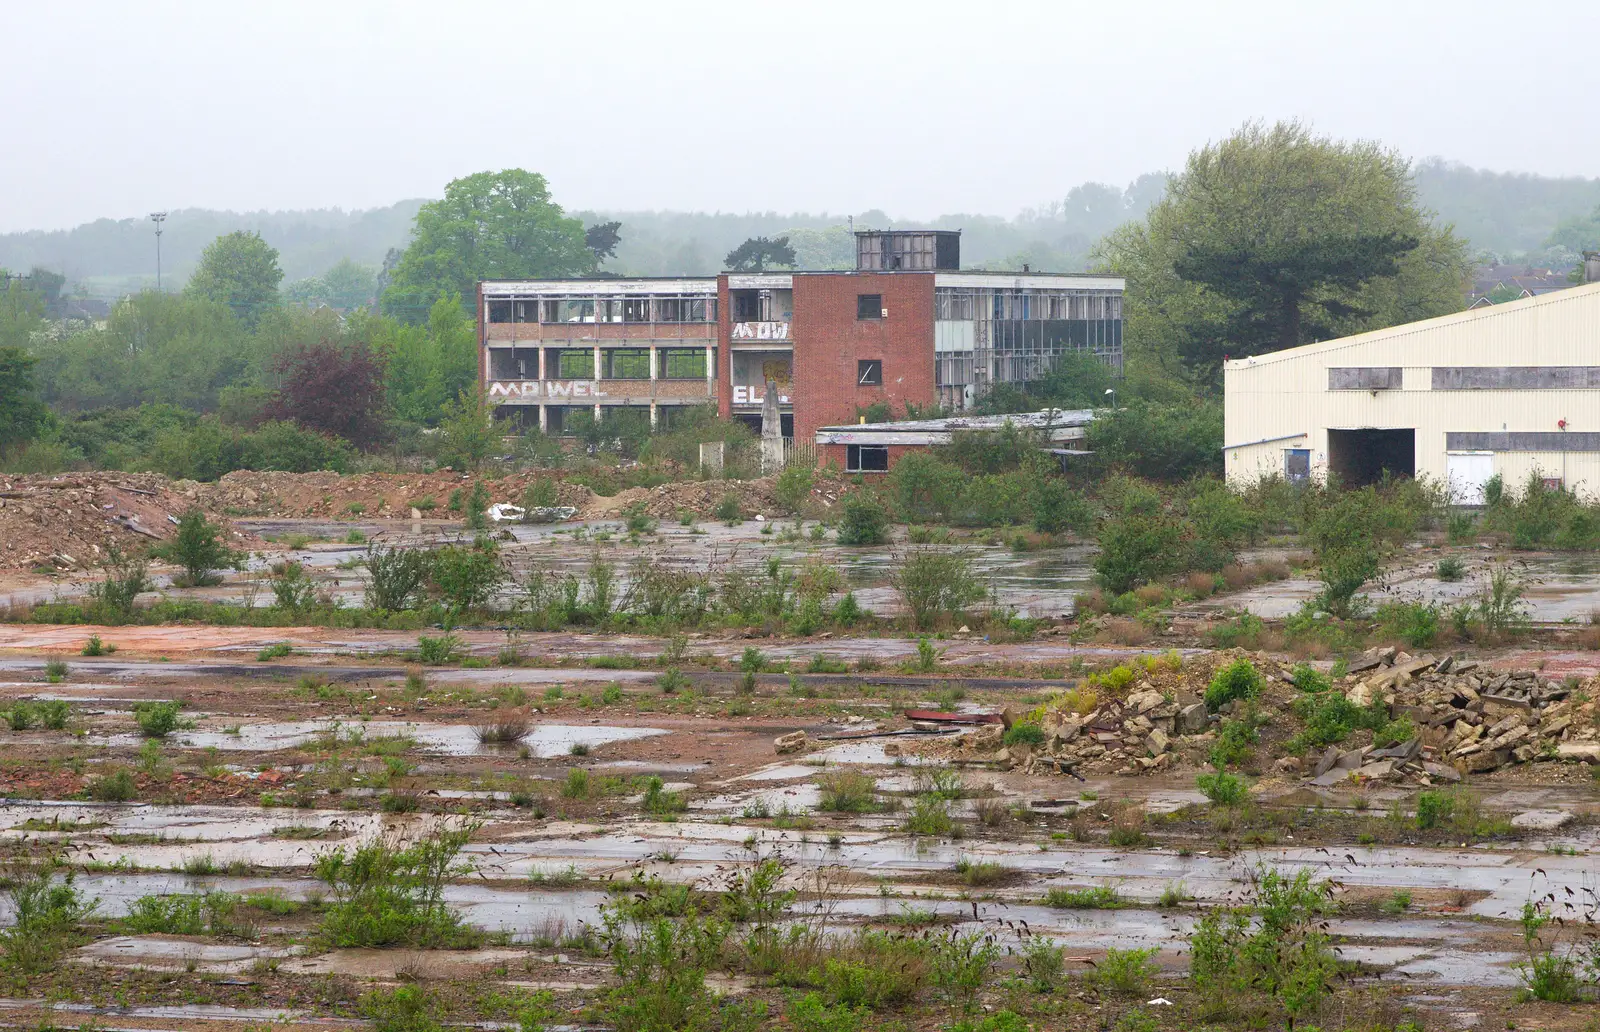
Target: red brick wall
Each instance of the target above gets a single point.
(829, 340)
(724, 349)
(835, 453)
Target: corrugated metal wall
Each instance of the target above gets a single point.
(1272, 397)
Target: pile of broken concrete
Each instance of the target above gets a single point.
(1470, 719)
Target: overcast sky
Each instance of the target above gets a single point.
(117, 108)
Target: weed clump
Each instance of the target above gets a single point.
(386, 894)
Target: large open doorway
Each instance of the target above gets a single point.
(1359, 457)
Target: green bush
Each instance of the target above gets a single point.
(156, 719)
(1222, 788)
(45, 917)
(198, 548)
(440, 651)
(935, 584)
(1170, 442)
(1057, 508)
(863, 519)
(384, 894)
(1235, 743)
(924, 486)
(405, 1008)
(1238, 680)
(1025, 733)
(1141, 540)
(396, 577)
(792, 489)
(113, 787)
(1126, 972)
(1450, 569)
(466, 577)
(1273, 948)
(728, 509)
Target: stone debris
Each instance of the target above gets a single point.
(793, 742)
(1469, 719)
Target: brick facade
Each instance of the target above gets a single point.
(830, 340)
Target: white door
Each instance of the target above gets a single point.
(1468, 472)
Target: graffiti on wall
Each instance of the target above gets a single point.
(544, 390)
(760, 331)
(755, 395)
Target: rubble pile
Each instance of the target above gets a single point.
(328, 495)
(60, 523)
(1469, 719)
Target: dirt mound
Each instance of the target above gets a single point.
(70, 521)
(700, 497)
(374, 495)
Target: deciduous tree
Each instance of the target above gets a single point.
(239, 270)
(1276, 237)
(491, 225)
(336, 388)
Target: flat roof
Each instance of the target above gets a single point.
(783, 278)
(1057, 425)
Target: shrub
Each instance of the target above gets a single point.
(466, 577)
(660, 957)
(53, 713)
(293, 590)
(1025, 733)
(934, 584)
(847, 791)
(1275, 946)
(793, 487)
(1450, 569)
(1058, 508)
(1221, 788)
(930, 815)
(727, 508)
(1098, 897)
(114, 787)
(1237, 680)
(1415, 623)
(395, 577)
(405, 1008)
(199, 549)
(124, 580)
(1126, 972)
(863, 520)
(1235, 744)
(444, 649)
(45, 915)
(385, 894)
(1140, 540)
(1346, 534)
(95, 647)
(1160, 441)
(156, 719)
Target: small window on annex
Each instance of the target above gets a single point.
(869, 306)
(869, 372)
(866, 458)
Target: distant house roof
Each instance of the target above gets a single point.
(1058, 425)
(1532, 279)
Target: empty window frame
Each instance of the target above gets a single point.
(568, 310)
(499, 311)
(682, 309)
(1297, 465)
(866, 458)
(869, 372)
(575, 364)
(682, 363)
(869, 306)
(627, 363)
(955, 304)
(635, 309)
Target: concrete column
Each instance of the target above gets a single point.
(597, 415)
(540, 373)
(653, 373)
(711, 370)
(544, 412)
(653, 413)
(597, 370)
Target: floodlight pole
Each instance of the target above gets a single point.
(158, 217)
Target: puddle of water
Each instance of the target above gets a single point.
(543, 740)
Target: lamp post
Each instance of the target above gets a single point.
(158, 217)
(1113, 393)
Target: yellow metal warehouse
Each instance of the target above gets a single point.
(1509, 389)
